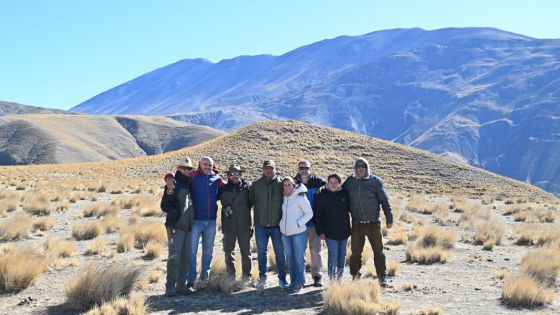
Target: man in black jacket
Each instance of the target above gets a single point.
(367, 195)
(176, 202)
(236, 220)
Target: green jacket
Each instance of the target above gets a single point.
(266, 196)
(236, 196)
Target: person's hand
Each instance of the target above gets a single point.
(322, 236)
(389, 225)
(170, 183)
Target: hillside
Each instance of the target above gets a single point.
(57, 138)
(10, 108)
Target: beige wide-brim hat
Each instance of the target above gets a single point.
(185, 162)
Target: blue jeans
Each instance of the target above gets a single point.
(206, 230)
(337, 255)
(295, 245)
(262, 234)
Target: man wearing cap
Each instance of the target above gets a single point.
(177, 204)
(313, 183)
(266, 195)
(236, 220)
(366, 194)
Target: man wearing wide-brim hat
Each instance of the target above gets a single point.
(236, 220)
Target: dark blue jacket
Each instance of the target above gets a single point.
(313, 184)
(204, 191)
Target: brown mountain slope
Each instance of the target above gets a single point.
(57, 138)
(402, 168)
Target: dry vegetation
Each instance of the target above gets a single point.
(361, 297)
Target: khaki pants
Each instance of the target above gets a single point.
(373, 233)
(179, 243)
(244, 240)
(315, 251)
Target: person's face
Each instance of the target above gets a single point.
(233, 177)
(304, 171)
(361, 169)
(184, 170)
(334, 184)
(269, 171)
(206, 167)
(288, 187)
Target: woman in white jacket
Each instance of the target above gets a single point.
(296, 211)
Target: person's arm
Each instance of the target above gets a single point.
(318, 216)
(305, 207)
(169, 180)
(384, 201)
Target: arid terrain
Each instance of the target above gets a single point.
(465, 241)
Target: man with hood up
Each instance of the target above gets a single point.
(366, 194)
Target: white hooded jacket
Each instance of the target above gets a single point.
(296, 212)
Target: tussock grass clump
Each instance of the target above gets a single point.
(125, 242)
(502, 273)
(393, 268)
(220, 283)
(526, 291)
(134, 305)
(487, 233)
(9, 204)
(37, 205)
(421, 205)
(153, 249)
(431, 310)
(100, 209)
(98, 283)
(20, 269)
(96, 246)
(86, 231)
(433, 244)
(43, 224)
(357, 297)
(145, 232)
(55, 248)
(16, 227)
(542, 264)
(397, 236)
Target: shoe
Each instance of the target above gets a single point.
(356, 276)
(382, 281)
(183, 290)
(317, 282)
(283, 284)
(261, 285)
(170, 292)
(297, 288)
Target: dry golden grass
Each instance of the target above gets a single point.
(55, 248)
(43, 224)
(97, 283)
(431, 310)
(525, 291)
(9, 204)
(525, 236)
(20, 269)
(86, 231)
(16, 227)
(393, 268)
(125, 242)
(153, 249)
(153, 277)
(542, 264)
(441, 214)
(357, 297)
(397, 236)
(133, 305)
(100, 209)
(96, 246)
(502, 273)
(421, 205)
(488, 234)
(146, 231)
(220, 283)
(433, 244)
(111, 224)
(37, 204)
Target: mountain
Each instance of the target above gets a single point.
(9, 108)
(479, 95)
(58, 138)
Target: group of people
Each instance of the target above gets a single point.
(293, 212)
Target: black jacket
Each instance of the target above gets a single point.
(332, 214)
(313, 184)
(178, 205)
(236, 196)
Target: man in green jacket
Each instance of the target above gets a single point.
(266, 196)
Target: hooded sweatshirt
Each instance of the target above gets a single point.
(366, 195)
(296, 212)
(313, 184)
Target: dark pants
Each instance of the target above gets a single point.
(373, 233)
(178, 263)
(243, 239)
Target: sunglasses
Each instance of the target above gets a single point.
(304, 168)
(234, 174)
(360, 166)
(269, 168)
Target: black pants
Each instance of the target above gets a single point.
(373, 233)
(243, 239)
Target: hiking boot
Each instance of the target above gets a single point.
(382, 281)
(261, 285)
(297, 288)
(356, 276)
(317, 282)
(283, 284)
(184, 290)
(170, 292)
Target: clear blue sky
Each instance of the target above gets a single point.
(60, 53)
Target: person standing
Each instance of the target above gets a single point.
(313, 183)
(332, 221)
(266, 197)
(236, 220)
(177, 204)
(296, 212)
(367, 193)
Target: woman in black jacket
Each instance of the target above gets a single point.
(332, 221)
